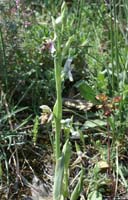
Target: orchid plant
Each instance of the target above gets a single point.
(60, 190)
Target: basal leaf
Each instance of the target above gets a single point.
(86, 91)
(77, 190)
(59, 171)
(94, 195)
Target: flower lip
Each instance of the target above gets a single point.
(49, 45)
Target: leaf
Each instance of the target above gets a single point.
(94, 123)
(77, 190)
(57, 111)
(13, 113)
(67, 45)
(67, 154)
(86, 91)
(77, 148)
(122, 177)
(102, 81)
(59, 171)
(94, 195)
(23, 123)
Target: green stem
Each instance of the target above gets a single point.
(58, 116)
(116, 44)
(112, 49)
(57, 139)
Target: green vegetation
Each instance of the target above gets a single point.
(70, 59)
